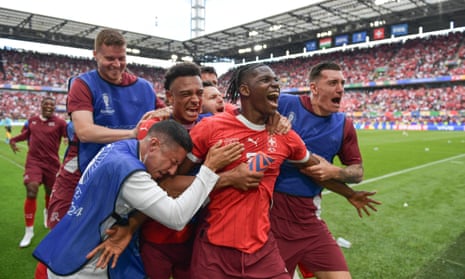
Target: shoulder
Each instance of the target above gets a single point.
(285, 97)
(59, 120)
(129, 78)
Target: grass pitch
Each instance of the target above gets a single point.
(418, 231)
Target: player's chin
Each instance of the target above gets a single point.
(272, 109)
(191, 116)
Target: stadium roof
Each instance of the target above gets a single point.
(278, 34)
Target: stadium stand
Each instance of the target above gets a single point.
(373, 91)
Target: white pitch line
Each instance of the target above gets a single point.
(11, 161)
(22, 145)
(374, 179)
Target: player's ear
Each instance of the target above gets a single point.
(154, 142)
(313, 89)
(244, 89)
(169, 96)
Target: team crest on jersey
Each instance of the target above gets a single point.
(291, 117)
(272, 144)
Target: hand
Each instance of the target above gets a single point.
(322, 171)
(112, 247)
(241, 177)
(13, 146)
(65, 141)
(278, 124)
(161, 113)
(220, 156)
(361, 201)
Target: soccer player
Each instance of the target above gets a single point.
(302, 236)
(166, 252)
(212, 99)
(208, 73)
(44, 134)
(105, 105)
(233, 239)
(7, 122)
(121, 179)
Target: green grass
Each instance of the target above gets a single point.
(426, 239)
(399, 241)
(19, 263)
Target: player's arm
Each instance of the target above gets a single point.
(172, 213)
(324, 170)
(118, 239)
(240, 177)
(87, 131)
(21, 137)
(359, 199)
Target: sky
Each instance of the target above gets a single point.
(167, 19)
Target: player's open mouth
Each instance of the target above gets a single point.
(336, 100)
(273, 97)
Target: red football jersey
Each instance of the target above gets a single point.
(240, 219)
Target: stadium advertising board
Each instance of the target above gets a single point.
(310, 45)
(359, 37)
(341, 40)
(378, 33)
(325, 42)
(399, 29)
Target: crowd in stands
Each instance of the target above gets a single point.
(428, 57)
(415, 58)
(431, 105)
(20, 105)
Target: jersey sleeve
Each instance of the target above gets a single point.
(79, 97)
(349, 153)
(24, 135)
(144, 194)
(299, 152)
(200, 134)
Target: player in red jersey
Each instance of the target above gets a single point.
(166, 252)
(234, 238)
(44, 134)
